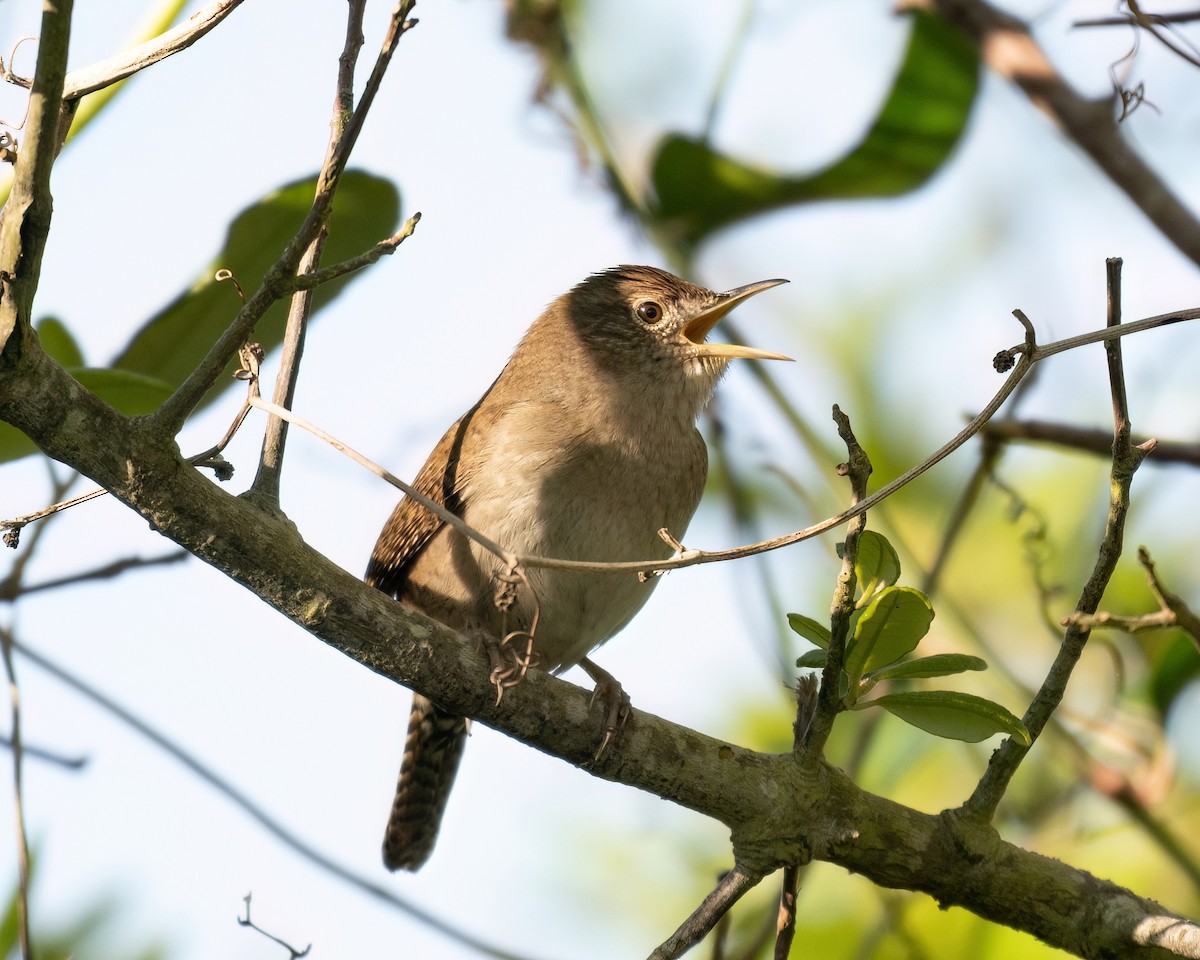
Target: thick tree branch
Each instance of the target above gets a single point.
(778, 810)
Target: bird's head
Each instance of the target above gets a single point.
(645, 322)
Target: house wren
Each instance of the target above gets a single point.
(583, 448)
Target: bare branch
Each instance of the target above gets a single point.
(1126, 459)
(1007, 46)
(105, 572)
(14, 695)
(1172, 612)
(279, 278)
(731, 888)
(247, 922)
(97, 76)
(314, 278)
(270, 462)
(829, 698)
(1092, 440)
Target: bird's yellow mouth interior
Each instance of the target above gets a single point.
(699, 326)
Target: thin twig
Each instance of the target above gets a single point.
(257, 813)
(105, 572)
(14, 694)
(31, 752)
(988, 454)
(829, 700)
(1126, 459)
(1091, 440)
(13, 527)
(511, 560)
(785, 926)
(728, 891)
(207, 458)
(270, 463)
(1021, 358)
(315, 278)
(1150, 23)
(280, 276)
(295, 954)
(1127, 19)
(1172, 611)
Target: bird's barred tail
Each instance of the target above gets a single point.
(432, 750)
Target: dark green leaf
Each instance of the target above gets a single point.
(170, 345)
(131, 393)
(890, 627)
(1175, 667)
(951, 715)
(810, 629)
(58, 341)
(813, 659)
(700, 190)
(938, 665)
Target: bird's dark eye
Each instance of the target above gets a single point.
(649, 312)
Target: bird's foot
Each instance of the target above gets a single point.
(510, 658)
(609, 692)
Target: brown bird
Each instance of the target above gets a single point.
(583, 448)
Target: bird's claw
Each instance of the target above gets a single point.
(609, 691)
(509, 660)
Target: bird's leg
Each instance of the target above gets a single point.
(509, 657)
(608, 690)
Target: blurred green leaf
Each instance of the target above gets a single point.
(889, 628)
(812, 659)
(938, 665)
(59, 342)
(170, 345)
(131, 393)
(810, 629)
(951, 715)
(1176, 666)
(700, 191)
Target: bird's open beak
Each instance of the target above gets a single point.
(699, 326)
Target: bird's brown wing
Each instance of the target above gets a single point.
(410, 527)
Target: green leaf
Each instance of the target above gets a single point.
(813, 659)
(951, 715)
(876, 563)
(169, 346)
(700, 191)
(890, 627)
(810, 629)
(938, 665)
(131, 393)
(59, 342)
